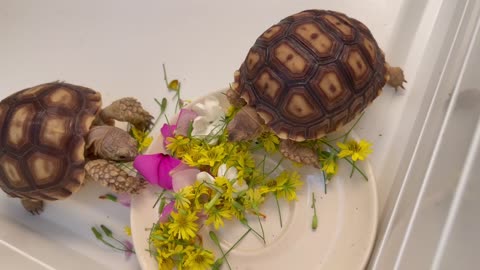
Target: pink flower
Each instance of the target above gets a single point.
(128, 249)
(156, 168)
(166, 212)
(183, 175)
(124, 199)
(184, 121)
(167, 131)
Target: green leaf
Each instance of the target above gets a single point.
(315, 222)
(106, 230)
(163, 202)
(163, 106)
(214, 237)
(97, 234)
(109, 197)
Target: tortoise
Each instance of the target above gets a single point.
(305, 77)
(55, 135)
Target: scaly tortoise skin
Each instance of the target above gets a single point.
(43, 143)
(310, 74)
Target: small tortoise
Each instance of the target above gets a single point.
(306, 77)
(55, 134)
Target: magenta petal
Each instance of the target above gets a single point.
(167, 131)
(128, 249)
(124, 199)
(184, 178)
(166, 212)
(184, 121)
(156, 168)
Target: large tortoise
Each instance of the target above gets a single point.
(307, 76)
(54, 135)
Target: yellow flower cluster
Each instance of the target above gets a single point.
(217, 196)
(169, 249)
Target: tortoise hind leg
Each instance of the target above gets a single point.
(35, 207)
(299, 153)
(128, 110)
(395, 77)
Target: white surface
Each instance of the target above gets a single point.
(118, 47)
(433, 222)
(347, 224)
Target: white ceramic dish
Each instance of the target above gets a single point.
(348, 216)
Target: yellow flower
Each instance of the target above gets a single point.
(183, 198)
(128, 230)
(357, 150)
(174, 85)
(202, 195)
(199, 259)
(217, 214)
(329, 166)
(287, 184)
(142, 138)
(226, 186)
(244, 162)
(212, 155)
(253, 198)
(270, 142)
(183, 225)
(164, 263)
(178, 145)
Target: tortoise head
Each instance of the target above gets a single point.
(246, 125)
(112, 143)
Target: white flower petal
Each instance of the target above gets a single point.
(239, 187)
(204, 176)
(231, 173)
(222, 170)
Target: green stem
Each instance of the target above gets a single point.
(261, 227)
(279, 211)
(212, 202)
(324, 182)
(236, 243)
(159, 197)
(352, 171)
(217, 243)
(254, 231)
(355, 166)
(276, 167)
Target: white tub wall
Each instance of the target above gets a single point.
(415, 221)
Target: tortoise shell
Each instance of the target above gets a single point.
(42, 140)
(311, 73)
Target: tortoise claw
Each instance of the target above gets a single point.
(35, 207)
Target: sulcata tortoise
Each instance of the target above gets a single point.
(55, 135)
(306, 77)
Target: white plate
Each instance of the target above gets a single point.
(347, 223)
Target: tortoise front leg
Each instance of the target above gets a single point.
(35, 207)
(110, 175)
(127, 110)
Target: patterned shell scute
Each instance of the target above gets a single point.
(311, 73)
(42, 140)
